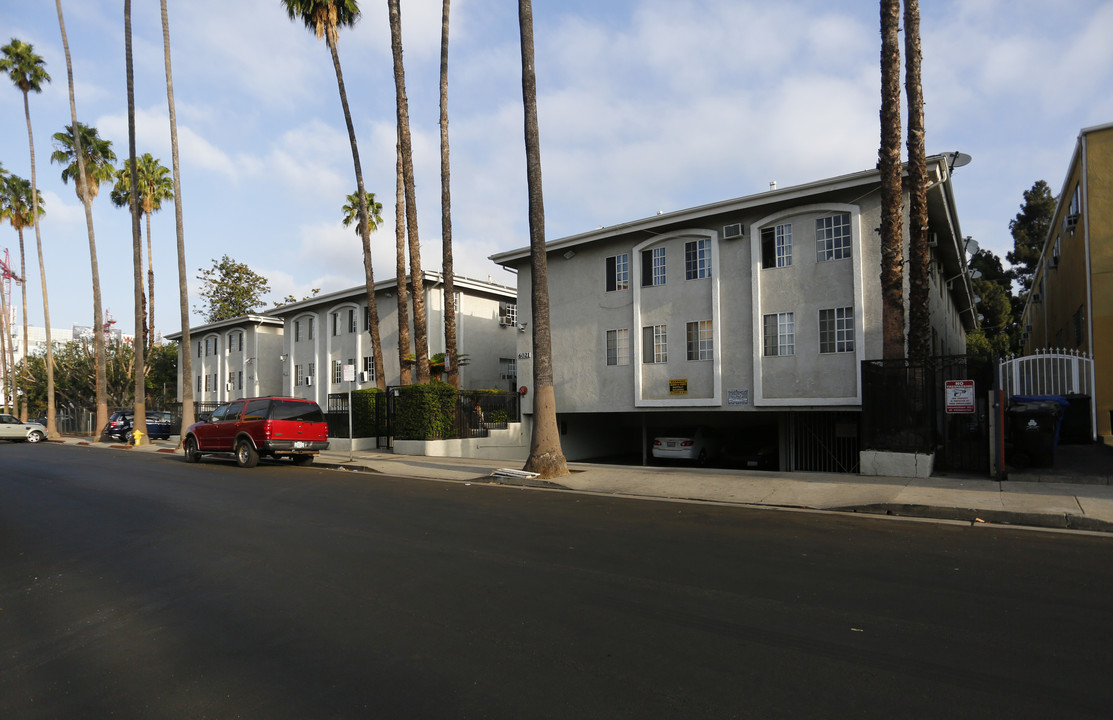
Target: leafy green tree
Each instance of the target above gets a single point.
(76, 376)
(325, 18)
(997, 304)
(291, 299)
(1029, 230)
(28, 72)
(162, 374)
(155, 187)
(230, 289)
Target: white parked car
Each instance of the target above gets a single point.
(697, 444)
(12, 429)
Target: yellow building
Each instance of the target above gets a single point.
(1070, 305)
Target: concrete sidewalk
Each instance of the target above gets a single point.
(1064, 505)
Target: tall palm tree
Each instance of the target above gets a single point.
(17, 201)
(405, 375)
(28, 72)
(545, 454)
(351, 212)
(139, 417)
(919, 255)
(155, 187)
(892, 196)
(451, 352)
(324, 18)
(183, 293)
(421, 334)
(88, 160)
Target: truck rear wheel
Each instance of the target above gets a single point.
(246, 454)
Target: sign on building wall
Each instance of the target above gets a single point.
(738, 397)
(959, 396)
(678, 386)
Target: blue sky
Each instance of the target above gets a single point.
(645, 106)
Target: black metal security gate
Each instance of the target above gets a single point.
(904, 409)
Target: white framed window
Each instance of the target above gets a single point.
(697, 259)
(618, 347)
(653, 266)
(508, 369)
(198, 383)
(700, 340)
(369, 366)
(655, 344)
(297, 331)
(836, 330)
(337, 372)
(832, 237)
(780, 334)
(335, 323)
(311, 372)
(618, 272)
(299, 375)
(776, 246)
(351, 320)
(508, 313)
(312, 323)
(239, 379)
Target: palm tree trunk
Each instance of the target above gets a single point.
(919, 255)
(183, 293)
(150, 287)
(23, 413)
(545, 454)
(404, 365)
(417, 281)
(139, 365)
(7, 358)
(451, 353)
(87, 200)
(892, 196)
(364, 220)
(51, 423)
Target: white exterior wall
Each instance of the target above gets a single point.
(479, 336)
(739, 378)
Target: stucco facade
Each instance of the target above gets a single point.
(1071, 303)
(754, 307)
(233, 358)
(323, 334)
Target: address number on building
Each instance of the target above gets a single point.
(523, 356)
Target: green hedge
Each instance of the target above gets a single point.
(425, 412)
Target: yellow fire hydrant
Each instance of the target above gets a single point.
(136, 437)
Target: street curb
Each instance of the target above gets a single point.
(1058, 521)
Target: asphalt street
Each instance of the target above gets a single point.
(137, 586)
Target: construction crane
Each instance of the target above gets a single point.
(8, 275)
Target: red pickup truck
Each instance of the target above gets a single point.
(275, 427)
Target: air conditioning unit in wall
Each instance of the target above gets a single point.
(230, 387)
(363, 377)
(308, 380)
(731, 232)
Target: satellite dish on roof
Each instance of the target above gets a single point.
(959, 159)
(972, 246)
